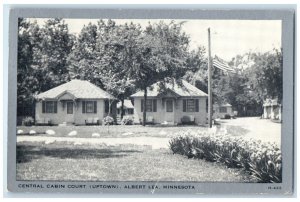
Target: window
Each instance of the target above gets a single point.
(191, 105)
(49, 107)
(89, 107)
(223, 110)
(151, 105)
(169, 104)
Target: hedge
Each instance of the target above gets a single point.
(261, 160)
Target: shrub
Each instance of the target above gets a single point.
(108, 120)
(127, 120)
(227, 116)
(261, 160)
(28, 121)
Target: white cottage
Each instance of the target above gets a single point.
(75, 102)
(177, 104)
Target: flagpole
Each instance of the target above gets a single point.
(209, 83)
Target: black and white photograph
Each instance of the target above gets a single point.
(149, 100)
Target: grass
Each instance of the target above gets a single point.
(112, 131)
(115, 163)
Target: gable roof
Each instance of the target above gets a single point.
(223, 105)
(184, 90)
(127, 104)
(80, 89)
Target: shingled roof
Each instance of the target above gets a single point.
(80, 89)
(184, 90)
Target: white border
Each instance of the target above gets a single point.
(4, 43)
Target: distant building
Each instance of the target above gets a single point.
(128, 108)
(222, 110)
(272, 109)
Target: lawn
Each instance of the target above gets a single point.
(63, 161)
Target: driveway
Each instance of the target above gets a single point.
(256, 128)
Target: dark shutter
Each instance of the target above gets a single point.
(154, 105)
(83, 107)
(55, 107)
(197, 105)
(95, 107)
(184, 105)
(43, 106)
(142, 105)
(106, 106)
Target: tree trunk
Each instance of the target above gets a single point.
(109, 104)
(144, 108)
(122, 107)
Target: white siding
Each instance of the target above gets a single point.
(79, 117)
(159, 116)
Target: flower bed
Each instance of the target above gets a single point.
(261, 160)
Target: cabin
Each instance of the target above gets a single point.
(223, 111)
(77, 102)
(177, 102)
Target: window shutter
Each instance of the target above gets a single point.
(55, 107)
(95, 107)
(197, 105)
(142, 105)
(43, 107)
(106, 106)
(154, 105)
(83, 107)
(184, 105)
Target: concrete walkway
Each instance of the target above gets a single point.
(154, 142)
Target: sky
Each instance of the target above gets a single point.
(228, 37)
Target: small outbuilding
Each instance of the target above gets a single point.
(177, 103)
(128, 108)
(272, 109)
(222, 111)
(76, 102)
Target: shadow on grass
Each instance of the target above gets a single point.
(26, 153)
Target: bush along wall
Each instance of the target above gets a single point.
(261, 160)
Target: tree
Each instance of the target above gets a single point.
(197, 69)
(27, 85)
(50, 55)
(102, 55)
(160, 56)
(81, 60)
(42, 53)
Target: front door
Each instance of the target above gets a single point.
(169, 112)
(70, 112)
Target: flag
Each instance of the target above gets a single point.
(221, 64)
